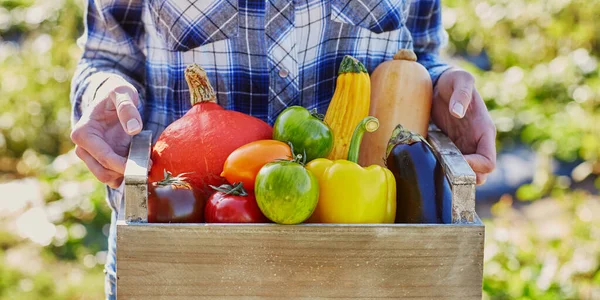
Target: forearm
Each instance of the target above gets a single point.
(429, 36)
(110, 47)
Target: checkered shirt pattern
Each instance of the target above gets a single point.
(260, 56)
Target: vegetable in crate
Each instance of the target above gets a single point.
(400, 94)
(243, 164)
(305, 130)
(349, 105)
(232, 204)
(174, 200)
(423, 191)
(350, 193)
(203, 138)
(286, 192)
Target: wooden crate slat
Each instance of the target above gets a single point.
(285, 262)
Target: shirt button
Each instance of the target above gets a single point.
(283, 73)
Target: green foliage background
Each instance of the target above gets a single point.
(542, 88)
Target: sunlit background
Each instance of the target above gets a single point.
(536, 64)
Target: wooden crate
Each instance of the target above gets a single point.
(326, 261)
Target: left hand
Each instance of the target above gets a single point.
(460, 113)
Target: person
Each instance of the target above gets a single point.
(261, 57)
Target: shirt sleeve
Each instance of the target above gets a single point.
(110, 44)
(425, 25)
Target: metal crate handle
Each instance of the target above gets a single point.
(136, 178)
(461, 176)
(458, 171)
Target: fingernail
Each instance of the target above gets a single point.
(133, 125)
(458, 109)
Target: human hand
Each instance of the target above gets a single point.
(103, 133)
(459, 111)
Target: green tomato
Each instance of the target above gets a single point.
(286, 192)
(305, 130)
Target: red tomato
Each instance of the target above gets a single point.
(243, 164)
(231, 204)
(173, 200)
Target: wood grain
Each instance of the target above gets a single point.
(136, 178)
(211, 261)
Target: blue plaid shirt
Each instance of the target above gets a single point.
(260, 56)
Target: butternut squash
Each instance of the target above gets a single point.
(349, 105)
(401, 94)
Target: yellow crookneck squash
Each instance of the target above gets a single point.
(349, 105)
(401, 94)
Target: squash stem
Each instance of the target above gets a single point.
(405, 54)
(200, 88)
(369, 124)
(351, 65)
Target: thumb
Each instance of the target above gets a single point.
(125, 99)
(462, 94)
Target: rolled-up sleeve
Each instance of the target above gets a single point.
(425, 25)
(111, 46)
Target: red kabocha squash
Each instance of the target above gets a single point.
(199, 142)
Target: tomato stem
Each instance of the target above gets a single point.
(237, 189)
(178, 180)
(297, 158)
(369, 124)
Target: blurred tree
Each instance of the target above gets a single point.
(37, 57)
(536, 64)
(543, 87)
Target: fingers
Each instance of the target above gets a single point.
(97, 135)
(481, 178)
(483, 161)
(109, 177)
(462, 93)
(125, 98)
(480, 163)
(99, 150)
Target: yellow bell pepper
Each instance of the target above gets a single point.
(349, 193)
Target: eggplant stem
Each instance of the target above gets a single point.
(402, 135)
(368, 124)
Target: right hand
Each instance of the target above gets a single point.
(103, 133)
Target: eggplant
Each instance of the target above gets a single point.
(423, 192)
